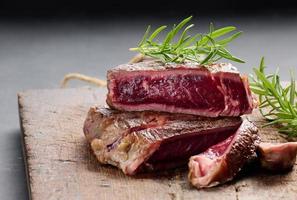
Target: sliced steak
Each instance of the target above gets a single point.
(221, 162)
(277, 157)
(148, 141)
(217, 90)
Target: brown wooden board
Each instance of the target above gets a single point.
(60, 164)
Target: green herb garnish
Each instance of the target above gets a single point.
(200, 48)
(277, 103)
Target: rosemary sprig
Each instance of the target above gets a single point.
(277, 103)
(200, 48)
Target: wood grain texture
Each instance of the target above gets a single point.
(60, 164)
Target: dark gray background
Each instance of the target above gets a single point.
(36, 53)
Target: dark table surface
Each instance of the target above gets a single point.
(36, 54)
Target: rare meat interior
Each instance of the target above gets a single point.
(187, 90)
(176, 151)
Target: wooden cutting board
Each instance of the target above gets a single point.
(60, 164)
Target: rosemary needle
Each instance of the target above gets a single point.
(277, 103)
(200, 48)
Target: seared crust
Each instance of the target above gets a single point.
(155, 65)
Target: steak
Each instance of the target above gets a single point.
(149, 141)
(221, 162)
(217, 90)
(277, 157)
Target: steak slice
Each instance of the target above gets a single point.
(217, 90)
(221, 162)
(148, 141)
(277, 157)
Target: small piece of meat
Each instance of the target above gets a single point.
(212, 91)
(221, 162)
(149, 141)
(277, 157)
